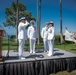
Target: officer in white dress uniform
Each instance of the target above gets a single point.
(51, 39)
(22, 35)
(32, 35)
(44, 35)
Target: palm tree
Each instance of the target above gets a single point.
(61, 33)
(17, 20)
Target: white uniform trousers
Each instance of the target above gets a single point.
(51, 47)
(21, 47)
(32, 45)
(45, 44)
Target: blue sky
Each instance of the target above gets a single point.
(50, 12)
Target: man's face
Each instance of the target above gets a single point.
(32, 23)
(23, 21)
(50, 25)
(46, 25)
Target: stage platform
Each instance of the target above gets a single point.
(38, 63)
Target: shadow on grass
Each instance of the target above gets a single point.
(5, 44)
(56, 50)
(73, 49)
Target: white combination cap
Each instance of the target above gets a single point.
(51, 22)
(22, 18)
(32, 21)
(47, 23)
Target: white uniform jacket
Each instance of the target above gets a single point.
(32, 32)
(44, 33)
(21, 30)
(51, 33)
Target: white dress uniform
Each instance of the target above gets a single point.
(44, 35)
(51, 43)
(22, 36)
(32, 35)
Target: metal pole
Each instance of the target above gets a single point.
(38, 18)
(61, 33)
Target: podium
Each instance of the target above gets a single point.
(2, 33)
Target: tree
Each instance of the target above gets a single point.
(11, 14)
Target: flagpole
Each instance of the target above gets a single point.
(61, 33)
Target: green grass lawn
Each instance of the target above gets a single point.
(14, 46)
(65, 73)
(66, 47)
